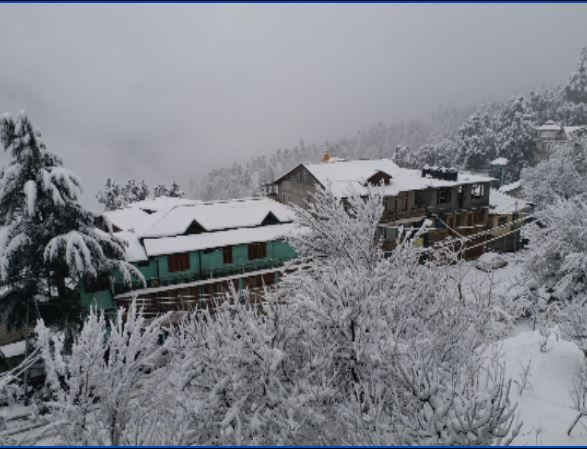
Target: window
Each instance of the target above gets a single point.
(257, 250)
(477, 191)
(389, 203)
(178, 262)
(502, 220)
(443, 196)
(402, 201)
(419, 198)
(227, 254)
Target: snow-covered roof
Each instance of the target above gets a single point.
(499, 161)
(509, 187)
(500, 203)
(135, 252)
(162, 202)
(223, 223)
(346, 178)
(126, 219)
(570, 130)
(214, 216)
(196, 242)
(550, 126)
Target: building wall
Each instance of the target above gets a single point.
(201, 263)
(296, 187)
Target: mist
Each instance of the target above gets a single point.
(168, 92)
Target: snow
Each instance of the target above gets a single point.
(509, 187)
(349, 177)
(126, 219)
(545, 408)
(570, 130)
(162, 203)
(195, 242)
(30, 191)
(13, 349)
(499, 161)
(135, 252)
(550, 126)
(215, 216)
(500, 203)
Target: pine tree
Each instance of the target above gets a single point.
(111, 195)
(576, 88)
(46, 236)
(175, 191)
(135, 191)
(160, 190)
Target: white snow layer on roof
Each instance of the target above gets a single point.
(499, 161)
(195, 242)
(134, 250)
(13, 349)
(509, 187)
(162, 202)
(215, 216)
(349, 177)
(500, 203)
(126, 219)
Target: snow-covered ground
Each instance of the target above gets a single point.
(545, 407)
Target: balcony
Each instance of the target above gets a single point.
(393, 215)
(235, 269)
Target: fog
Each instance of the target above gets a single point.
(164, 92)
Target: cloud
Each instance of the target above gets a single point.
(167, 92)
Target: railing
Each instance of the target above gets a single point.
(392, 215)
(121, 287)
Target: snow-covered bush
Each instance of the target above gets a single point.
(388, 336)
(113, 388)
(559, 252)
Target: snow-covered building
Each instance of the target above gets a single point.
(455, 201)
(190, 250)
(551, 134)
(507, 215)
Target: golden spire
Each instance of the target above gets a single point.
(326, 155)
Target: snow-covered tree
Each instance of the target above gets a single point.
(46, 235)
(175, 191)
(160, 190)
(114, 387)
(559, 252)
(561, 176)
(111, 196)
(576, 88)
(134, 191)
(342, 229)
(388, 338)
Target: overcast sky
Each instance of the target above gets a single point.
(165, 92)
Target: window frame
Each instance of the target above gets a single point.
(227, 255)
(477, 190)
(257, 250)
(445, 191)
(178, 262)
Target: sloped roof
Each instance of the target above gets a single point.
(134, 250)
(499, 161)
(214, 216)
(346, 178)
(195, 242)
(509, 187)
(500, 203)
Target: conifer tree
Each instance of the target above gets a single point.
(576, 88)
(46, 236)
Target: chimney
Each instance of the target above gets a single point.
(326, 156)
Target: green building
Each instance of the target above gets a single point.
(190, 251)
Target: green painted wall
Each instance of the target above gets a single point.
(201, 262)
